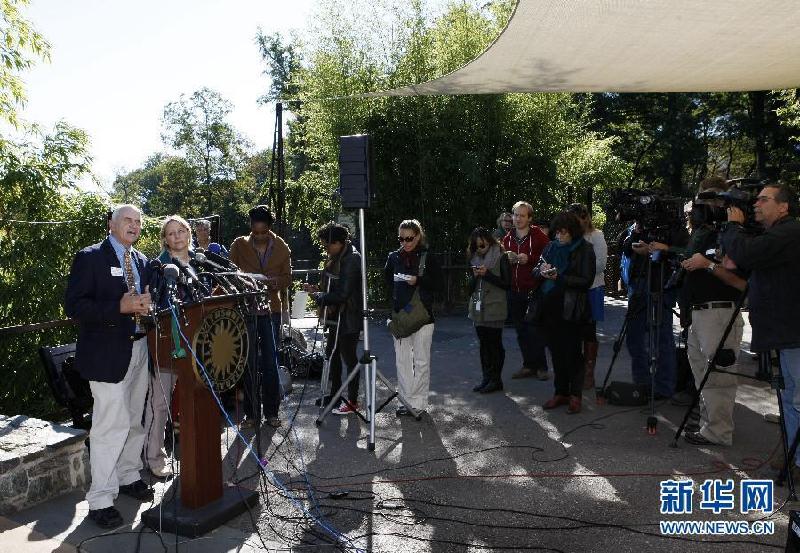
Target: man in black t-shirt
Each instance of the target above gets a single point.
(711, 290)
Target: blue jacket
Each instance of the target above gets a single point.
(105, 336)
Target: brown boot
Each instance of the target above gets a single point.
(590, 357)
(555, 401)
(574, 405)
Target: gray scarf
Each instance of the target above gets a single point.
(490, 259)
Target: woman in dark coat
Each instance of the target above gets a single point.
(402, 275)
(567, 268)
(343, 297)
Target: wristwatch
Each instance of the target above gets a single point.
(711, 267)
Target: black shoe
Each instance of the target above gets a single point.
(322, 401)
(695, 438)
(106, 518)
(137, 490)
(493, 386)
(480, 386)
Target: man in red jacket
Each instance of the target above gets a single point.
(525, 242)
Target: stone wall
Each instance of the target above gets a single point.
(39, 460)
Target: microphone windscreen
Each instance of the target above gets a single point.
(171, 272)
(213, 247)
(200, 257)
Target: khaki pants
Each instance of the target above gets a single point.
(117, 435)
(413, 360)
(156, 414)
(719, 392)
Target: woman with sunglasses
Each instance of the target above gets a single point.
(413, 353)
(596, 292)
(566, 272)
(488, 308)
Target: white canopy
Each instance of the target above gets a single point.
(634, 46)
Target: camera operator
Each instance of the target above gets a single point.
(653, 253)
(710, 292)
(773, 258)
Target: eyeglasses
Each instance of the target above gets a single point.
(405, 238)
(762, 199)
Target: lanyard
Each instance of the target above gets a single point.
(262, 259)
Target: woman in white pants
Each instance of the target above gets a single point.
(176, 235)
(402, 274)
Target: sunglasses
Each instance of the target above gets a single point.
(405, 238)
(481, 246)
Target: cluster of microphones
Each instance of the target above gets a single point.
(180, 282)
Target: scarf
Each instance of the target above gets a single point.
(489, 259)
(558, 256)
(409, 260)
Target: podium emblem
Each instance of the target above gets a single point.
(221, 344)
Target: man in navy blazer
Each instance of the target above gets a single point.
(112, 354)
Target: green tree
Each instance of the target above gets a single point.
(451, 161)
(37, 179)
(197, 127)
(20, 47)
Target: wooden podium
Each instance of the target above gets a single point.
(203, 502)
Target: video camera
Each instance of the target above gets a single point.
(742, 194)
(655, 212)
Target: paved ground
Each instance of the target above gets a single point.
(477, 473)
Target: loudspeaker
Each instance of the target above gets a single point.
(355, 171)
(69, 388)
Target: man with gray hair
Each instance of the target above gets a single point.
(773, 259)
(107, 293)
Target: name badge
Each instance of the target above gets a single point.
(116, 271)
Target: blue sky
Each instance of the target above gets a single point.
(116, 64)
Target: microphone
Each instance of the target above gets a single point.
(190, 278)
(218, 259)
(156, 280)
(201, 259)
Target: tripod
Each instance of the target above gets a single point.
(652, 299)
(368, 362)
(655, 318)
(600, 392)
(324, 396)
